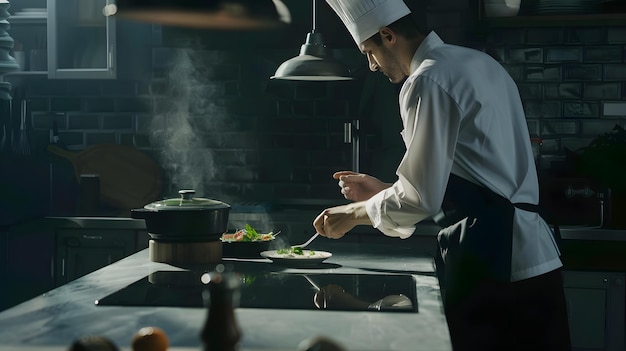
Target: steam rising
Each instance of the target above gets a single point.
(185, 120)
(178, 123)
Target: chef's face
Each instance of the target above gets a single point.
(381, 58)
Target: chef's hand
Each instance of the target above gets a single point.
(359, 186)
(335, 222)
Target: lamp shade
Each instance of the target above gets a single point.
(211, 14)
(314, 63)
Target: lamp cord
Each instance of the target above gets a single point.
(314, 16)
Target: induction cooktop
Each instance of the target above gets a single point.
(278, 290)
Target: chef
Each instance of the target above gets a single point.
(469, 167)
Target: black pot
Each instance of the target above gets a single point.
(186, 219)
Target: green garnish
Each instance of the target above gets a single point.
(294, 250)
(250, 233)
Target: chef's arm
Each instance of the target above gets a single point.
(431, 122)
(335, 222)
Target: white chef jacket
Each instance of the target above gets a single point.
(462, 114)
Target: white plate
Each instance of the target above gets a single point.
(297, 260)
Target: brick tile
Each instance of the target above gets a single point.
(581, 109)
(583, 72)
(614, 109)
(119, 88)
(82, 121)
(132, 105)
(99, 104)
(601, 90)
(65, 104)
(555, 127)
(585, 36)
(38, 104)
(614, 72)
(525, 55)
(547, 73)
(100, 138)
(616, 35)
(45, 120)
(563, 54)
(82, 87)
(118, 122)
(551, 146)
(595, 127)
(603, 54)
(563, 91)
(542, 109)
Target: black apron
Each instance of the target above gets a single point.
(475, 244)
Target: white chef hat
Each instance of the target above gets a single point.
(363, 18)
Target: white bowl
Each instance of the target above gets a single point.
(501, 10)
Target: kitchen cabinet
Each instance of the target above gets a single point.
(27, 263)
(81, 40)
(40, 254)
(84, 250)
(3, 268)
(73, 39)
(595, 302)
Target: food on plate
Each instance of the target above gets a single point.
(296, 252)
(248, 234)
(291, 251)
(296, 256)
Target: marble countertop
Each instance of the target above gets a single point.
(55, 319)
(424, 229)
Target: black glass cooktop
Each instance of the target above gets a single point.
(311, 291)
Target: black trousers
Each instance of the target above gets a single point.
(530, 314)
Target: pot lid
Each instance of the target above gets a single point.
(186, 202)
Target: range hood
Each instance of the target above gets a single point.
(210, 14)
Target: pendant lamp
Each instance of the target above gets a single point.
(315, 62)
(210, 14)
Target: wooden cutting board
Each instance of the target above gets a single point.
(129, 178)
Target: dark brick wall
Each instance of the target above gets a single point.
(216, 122)
(572, 81)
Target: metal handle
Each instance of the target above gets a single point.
(308, 241)
(584, 192)
(92, 237)
(347, 133)
(186, 194)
